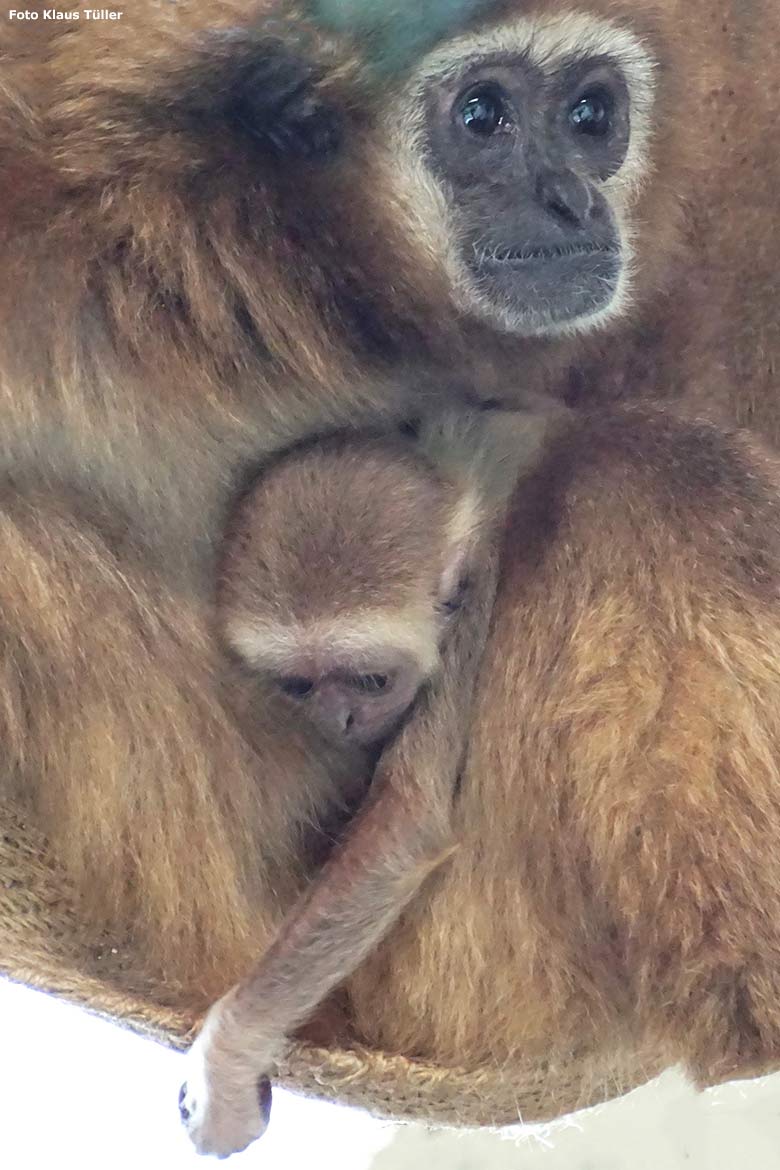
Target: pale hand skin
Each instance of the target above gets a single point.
(224, 1104)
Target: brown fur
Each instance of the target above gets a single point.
(611, 883)
(627, 748)
(160, 331)
(620, 810)
(341, 531)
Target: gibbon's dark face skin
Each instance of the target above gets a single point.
(525, 157)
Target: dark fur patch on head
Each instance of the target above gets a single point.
(263, 85)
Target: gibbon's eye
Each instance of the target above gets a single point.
(295, 687)
(483, 110)
(591, 114)
(370, 684)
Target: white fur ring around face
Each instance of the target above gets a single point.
(224, 1106)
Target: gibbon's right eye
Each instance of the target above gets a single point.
(371, 684)
(295, 687)
(592, 113)
(482, 110)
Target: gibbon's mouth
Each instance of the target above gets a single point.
(547, 286)
(525, 255)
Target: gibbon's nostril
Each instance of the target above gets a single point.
(350, 722)
(565, 195)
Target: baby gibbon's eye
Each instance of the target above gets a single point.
(295, 687)
(370, 684)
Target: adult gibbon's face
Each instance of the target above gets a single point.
(531, 140)
(254, 183)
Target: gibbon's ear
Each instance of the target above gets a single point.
(267, 82)
(461, 541)
(395, 33)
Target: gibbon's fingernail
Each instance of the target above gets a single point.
(264, 1097)
(184, 1112)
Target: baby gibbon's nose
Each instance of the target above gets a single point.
(335, 710)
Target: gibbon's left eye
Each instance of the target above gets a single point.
(591, 114)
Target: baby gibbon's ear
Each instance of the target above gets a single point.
(462, 535)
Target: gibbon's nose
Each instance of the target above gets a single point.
(336, 710)
(564, 195)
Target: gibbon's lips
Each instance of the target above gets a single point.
(525, 254)
(550, 285)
